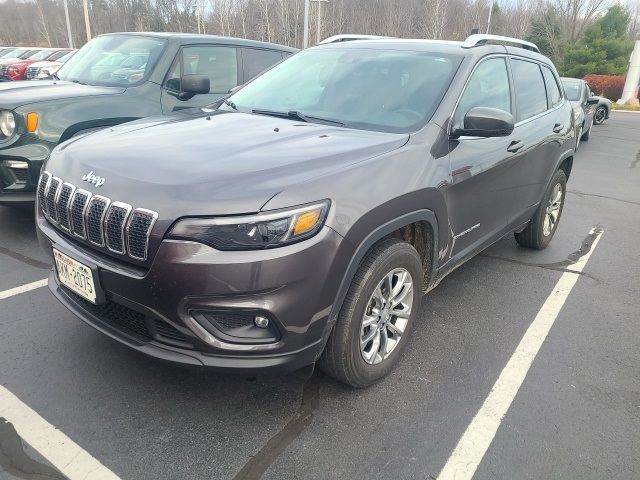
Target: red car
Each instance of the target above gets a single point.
(17, 70)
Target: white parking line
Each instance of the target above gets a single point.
(22, 289)
(475, 441)
(63, 453)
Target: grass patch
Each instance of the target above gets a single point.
(628, 108)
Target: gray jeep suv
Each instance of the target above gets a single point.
(303, 219)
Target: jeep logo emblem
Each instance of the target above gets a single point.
(93, 178)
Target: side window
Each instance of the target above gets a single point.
(217, 62)
(531, 95)
(552, 86)
(487, 87)
(256, 61)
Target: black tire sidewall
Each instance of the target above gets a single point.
(604, 117)
(389, 255)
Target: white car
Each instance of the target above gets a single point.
(46, 68)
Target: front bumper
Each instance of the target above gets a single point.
(295, 286)
(18, 186)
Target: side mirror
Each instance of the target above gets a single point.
(485, 122)
(593, 101)
(192, 85)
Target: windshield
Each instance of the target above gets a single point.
(572, 90)
(14, 53)
(370, 89)
(113, 60)
(29, 54)
(65, 57)
(44, 54)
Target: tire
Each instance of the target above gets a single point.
(536, 234)
(344, 357)
(600, 116)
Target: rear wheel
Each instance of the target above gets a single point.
(600, 116)
(544, 223)
(377, 315)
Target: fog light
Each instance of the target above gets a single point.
(261, 322)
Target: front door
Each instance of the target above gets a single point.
(218, 62)
(480, 195)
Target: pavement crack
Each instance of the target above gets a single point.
(24, 259)
(261, 461)
(562, 266)
(583, 194)
(15, 461)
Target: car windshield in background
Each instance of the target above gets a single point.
(390, 91)
(43, 55)
(13, 53)
(572, 90)
(113, 60)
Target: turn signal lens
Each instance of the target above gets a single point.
(32, 122)
(306, 221)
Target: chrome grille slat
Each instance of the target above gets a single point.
(76, 212)
(116, 226)
(52, 193)
(62, 205)
(93, 218)
(43, 185)
(138, 230)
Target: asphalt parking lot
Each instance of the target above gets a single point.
(576, 415)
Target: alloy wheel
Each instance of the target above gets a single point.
(386, 316)
(553, 210)
(600, 115)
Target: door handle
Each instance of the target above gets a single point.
(515, 146)
(558, 127)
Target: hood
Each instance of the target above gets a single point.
(227, 163)
(9, 61)
(15, 94)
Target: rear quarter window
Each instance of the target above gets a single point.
(555, 97)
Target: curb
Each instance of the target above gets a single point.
(624, 111)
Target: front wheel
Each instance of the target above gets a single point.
(600, 116)
(539, 232)
(377, 315)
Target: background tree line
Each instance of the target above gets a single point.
(581, 36)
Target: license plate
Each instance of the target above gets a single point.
(75, 276)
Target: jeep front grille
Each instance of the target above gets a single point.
(32, 72)
(115, 226)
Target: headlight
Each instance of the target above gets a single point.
(7, 124)
(254, 232)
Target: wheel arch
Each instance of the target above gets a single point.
(419, 228)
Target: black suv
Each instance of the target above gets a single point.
(113, 79)
(303, 220)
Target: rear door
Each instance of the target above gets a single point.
(540, 125)
(479, 198)
(219, 62)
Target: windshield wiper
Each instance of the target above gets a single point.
(54, 76)
(299, 116)
(77, 81)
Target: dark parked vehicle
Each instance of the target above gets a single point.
(113, 79)
(584, 106)
(304, 219)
